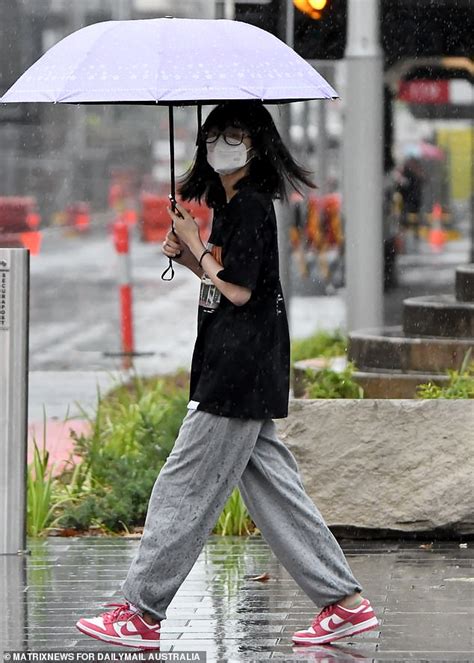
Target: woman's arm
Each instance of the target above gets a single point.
(237, 294)
(187, 231)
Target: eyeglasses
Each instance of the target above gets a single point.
(231, 136)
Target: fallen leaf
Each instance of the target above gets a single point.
(264, 577)
(64, 531)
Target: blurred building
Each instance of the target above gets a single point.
(62, 153)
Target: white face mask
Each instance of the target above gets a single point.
(226, 159)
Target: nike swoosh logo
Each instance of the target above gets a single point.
(124, 630)
(335, 622)
(331, 623)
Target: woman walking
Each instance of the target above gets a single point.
(239, 384)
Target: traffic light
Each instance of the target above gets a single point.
(320, 29)
(320, 25)
(313, 8)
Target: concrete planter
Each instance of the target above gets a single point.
(382, 466)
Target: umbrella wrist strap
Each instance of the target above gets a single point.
(170, 267)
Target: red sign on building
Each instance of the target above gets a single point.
(424, 91)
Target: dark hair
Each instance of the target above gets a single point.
(271, 168)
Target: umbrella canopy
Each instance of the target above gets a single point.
(169, 61)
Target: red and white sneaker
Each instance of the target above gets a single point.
(123, 626)
(334, 622)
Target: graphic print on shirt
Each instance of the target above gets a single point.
(210, 295)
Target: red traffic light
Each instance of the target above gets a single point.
(312, 8)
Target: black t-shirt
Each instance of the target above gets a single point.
(241, 359)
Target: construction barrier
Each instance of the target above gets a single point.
(19, 223)
(323, 222)
(154, 220)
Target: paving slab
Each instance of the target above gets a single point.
(424, 598)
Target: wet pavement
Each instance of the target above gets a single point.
(422, 593)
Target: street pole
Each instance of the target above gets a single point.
(229, 9)
(283, 211)
(122, 10)
(363, 166)
(14, 307)
(224, 9)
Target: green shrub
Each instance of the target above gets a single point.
(460, 384)
(132, 434)
(321, 344)
(327, 383)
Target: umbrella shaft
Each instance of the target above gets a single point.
(172, 175)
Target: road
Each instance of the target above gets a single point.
(74, 305)
(75, 315)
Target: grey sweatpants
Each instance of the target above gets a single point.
(211, 456)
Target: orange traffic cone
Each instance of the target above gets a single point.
(82, 222)
(129, 216)
(32, 241)
(436, 235)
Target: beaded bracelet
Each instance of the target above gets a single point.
(203, 254)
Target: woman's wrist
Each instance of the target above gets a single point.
(204, 253)
(196, 247)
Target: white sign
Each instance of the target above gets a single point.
(4, 298)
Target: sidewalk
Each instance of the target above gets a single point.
(422, 594)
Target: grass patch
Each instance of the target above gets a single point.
(460, 384)
(327, 383)
(320, 344)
